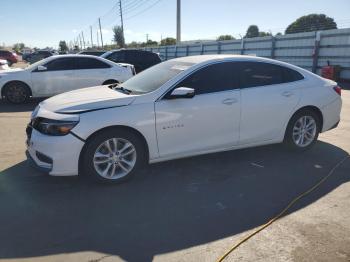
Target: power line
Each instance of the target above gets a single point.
(144, 10)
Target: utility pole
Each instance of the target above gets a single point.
(82, 34)
(92, 43)
(98, 42)
(121, 18)
(178, 22)
(146, 38)
(99, 22)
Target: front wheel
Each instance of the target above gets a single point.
(302, 131)
(16, 92)
(113, 156)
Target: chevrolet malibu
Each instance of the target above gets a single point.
(182, 107)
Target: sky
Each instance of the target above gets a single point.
(41, 23)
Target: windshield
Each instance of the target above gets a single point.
(36, 64)
(155, 76)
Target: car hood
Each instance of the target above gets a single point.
(86, 99)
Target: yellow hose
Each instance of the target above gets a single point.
(284, 210)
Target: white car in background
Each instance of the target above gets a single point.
(61, 73)
(179, 108)
(3, 64)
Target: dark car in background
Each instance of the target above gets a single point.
(139, 58)
(39, 55)
(92, 52)
(9, 56)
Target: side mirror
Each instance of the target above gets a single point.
(42, 68)
(181, 92)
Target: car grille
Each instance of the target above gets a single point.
(29, 131)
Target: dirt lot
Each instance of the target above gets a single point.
(184, 210)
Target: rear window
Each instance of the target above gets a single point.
(254, 74)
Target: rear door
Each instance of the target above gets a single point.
(91, 72)
(268, 98)
(58, 78)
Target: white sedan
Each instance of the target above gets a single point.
(58, 74)
(179, 108)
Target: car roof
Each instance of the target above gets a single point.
(76, 55)
(203, 59)
(132, 49)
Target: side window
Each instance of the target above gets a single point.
(213, 78)
(60, 64)
(132, 56)
(90, 63)
(259, 74)
(118, 56)
(291, 75)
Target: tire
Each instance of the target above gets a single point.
(306, 127)
(97, 158)
(16, 92)
(9, 63)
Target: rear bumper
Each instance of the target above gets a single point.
(331, 114)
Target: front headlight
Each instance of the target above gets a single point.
(53, 127)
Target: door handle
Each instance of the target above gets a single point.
(287, 93)
(229, 101)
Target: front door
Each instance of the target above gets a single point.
(208, 121)
(59, 77)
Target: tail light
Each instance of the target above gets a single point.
(337, 89)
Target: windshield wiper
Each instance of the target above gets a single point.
(117, 87)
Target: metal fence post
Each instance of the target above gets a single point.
(187, 47)
(242, 46)
(316, 51)
(273, 45)
(202, 49)
(219, 47)
(166, 52)
(175, 53)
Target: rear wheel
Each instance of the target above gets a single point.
(16, 92)
(302, 131)
(113, 156)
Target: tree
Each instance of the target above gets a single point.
(133, 44)
(312, 22)
(168, 41)
(149, 43)
(63, 46)
(225, 37)
(119, 36)
(252, 31)
(18, 47)
(264, 33)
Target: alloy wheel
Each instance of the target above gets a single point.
(304, 131)
(114, 158)
(16, 94)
